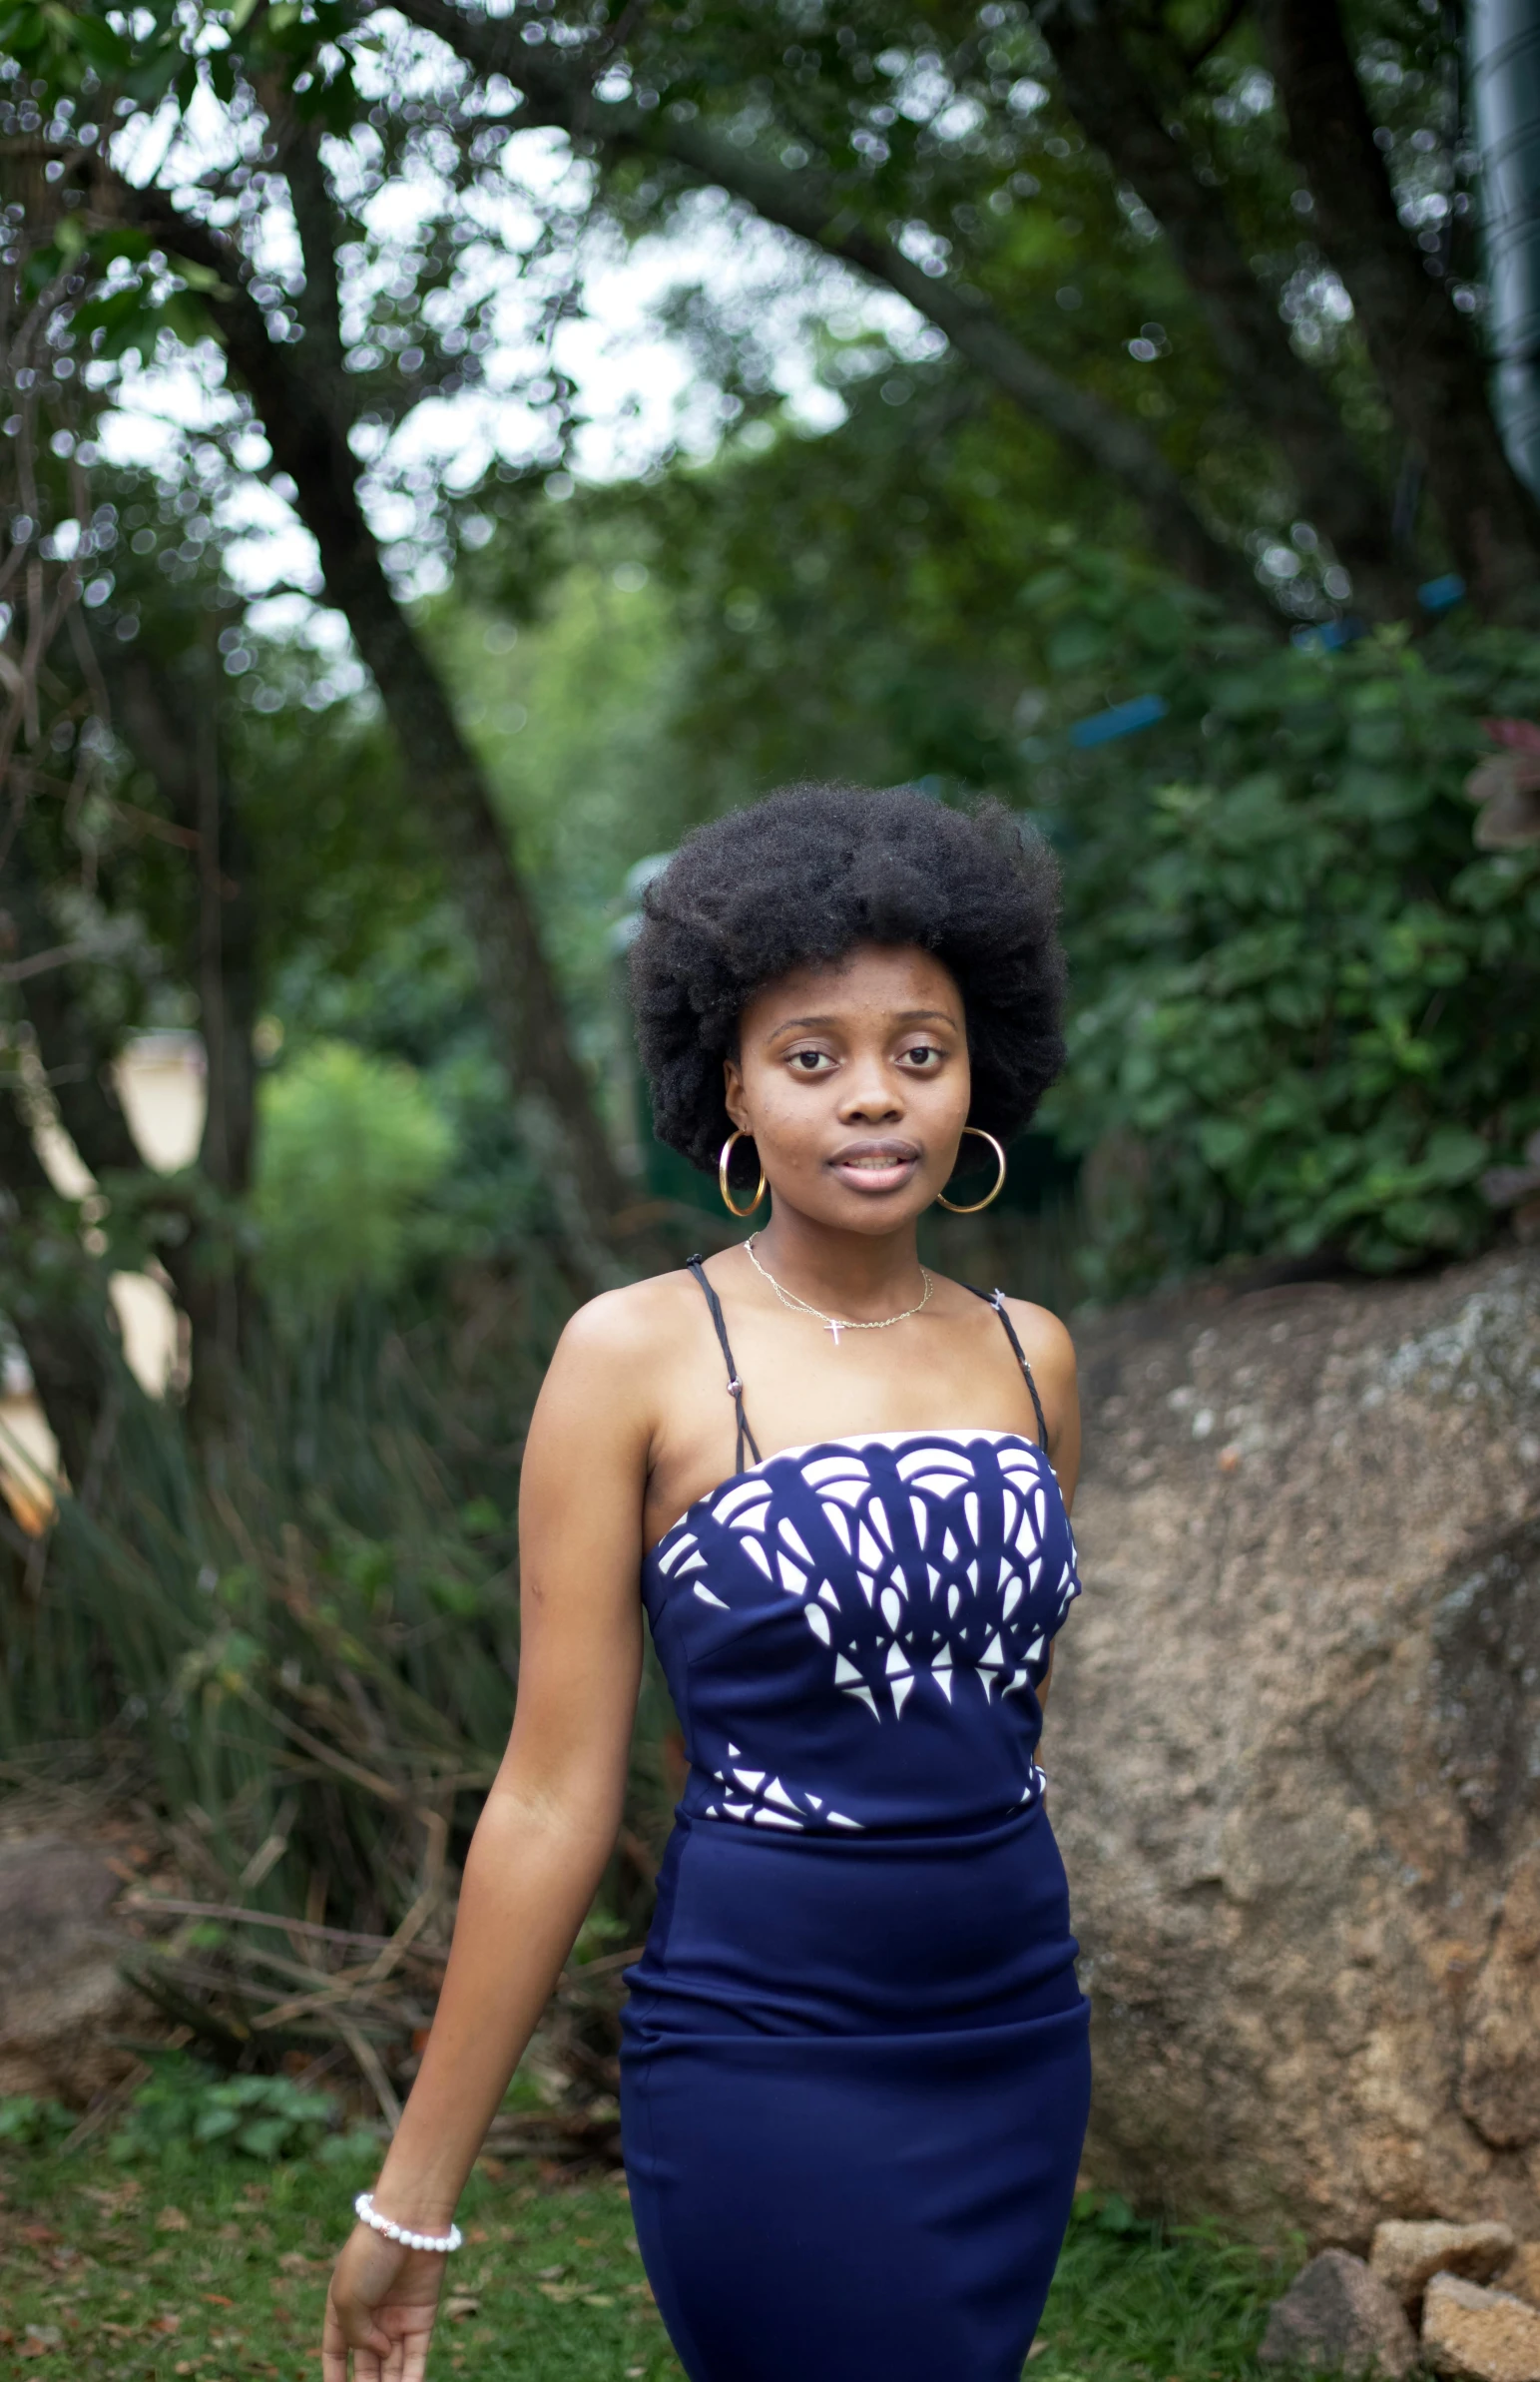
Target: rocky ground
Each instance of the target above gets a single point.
(1461, 2300)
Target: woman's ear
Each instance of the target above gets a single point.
(733, 1094)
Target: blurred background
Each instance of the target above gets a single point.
(450, 451)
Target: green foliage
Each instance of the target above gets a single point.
(352, 1145)
(186, 2106)
(1309, 1001)
(30, 2124)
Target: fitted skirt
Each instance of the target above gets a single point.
(854, 2085)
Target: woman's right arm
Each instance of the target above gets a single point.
(545, 1834)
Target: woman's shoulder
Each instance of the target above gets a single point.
(636, 1321)
(1047, 1345)
(1048, 1330)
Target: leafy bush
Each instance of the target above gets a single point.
(188, 2107)
(351, 1144)
(29, 2124)
(1306, 1010)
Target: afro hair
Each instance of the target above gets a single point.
(800, 879)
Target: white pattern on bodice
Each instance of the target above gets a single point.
(918, 1560)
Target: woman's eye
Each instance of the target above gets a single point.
(922, 1054)
(810, 1062)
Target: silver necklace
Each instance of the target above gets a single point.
(835, 1324)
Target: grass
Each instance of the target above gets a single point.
(1137, 2303)
(216, 2267)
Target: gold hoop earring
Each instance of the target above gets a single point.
(999, 1185)
(738, 1134)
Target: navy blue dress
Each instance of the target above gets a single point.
(855, 2070)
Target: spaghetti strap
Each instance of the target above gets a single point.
(996, 1300)
(734, 1385)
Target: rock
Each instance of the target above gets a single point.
(1521, 2275)
(1293, 1742)
(61, 1997)
(1405, 2255)
(1337, 2315)
(1488, 2336)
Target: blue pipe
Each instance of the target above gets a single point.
(1504, 60)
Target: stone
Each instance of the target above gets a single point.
(1405, 2255)
(1291, 1740)
(1338, 2316)
(1521, 2275)
(1485, 2336)
(62, 1998)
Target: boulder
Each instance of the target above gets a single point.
(1487, 2336)
(1292, 1743)
(1338, 2316)
(60, 1996)
(1405, 2255)
(1521, 2275)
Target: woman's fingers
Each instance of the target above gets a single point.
(380, 2312)
(347, 2326)
(333, 2347)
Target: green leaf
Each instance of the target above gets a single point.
(153, 76)
(214, 2121)
(107, 53)
(460, 1598)
(264, 2137)
(1455, 1155)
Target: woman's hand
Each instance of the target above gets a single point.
(380, 2306)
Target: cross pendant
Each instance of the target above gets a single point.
(834, 1330)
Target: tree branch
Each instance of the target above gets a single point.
(74, 1059)
(558, 92)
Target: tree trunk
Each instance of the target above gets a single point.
(290, 389)
(1121, 114)
(174, 730)
(1433, 379)
(559, 94)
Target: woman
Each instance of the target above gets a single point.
(856, 2070)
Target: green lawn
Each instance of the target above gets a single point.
(213, 2265)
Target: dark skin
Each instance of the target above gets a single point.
(853, 1083)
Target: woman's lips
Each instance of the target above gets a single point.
(877, 1168)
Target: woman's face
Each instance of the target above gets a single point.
(853, 1081)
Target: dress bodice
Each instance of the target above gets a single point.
(854, 1633)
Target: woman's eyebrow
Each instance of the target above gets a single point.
(789, 1025)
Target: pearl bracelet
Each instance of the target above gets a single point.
(366, 2210)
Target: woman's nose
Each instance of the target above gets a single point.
(872, 1094)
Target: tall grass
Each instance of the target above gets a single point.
(307, 1629)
